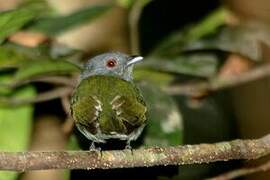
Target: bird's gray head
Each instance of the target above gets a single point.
(111, 64)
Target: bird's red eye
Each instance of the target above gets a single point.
(111, 63)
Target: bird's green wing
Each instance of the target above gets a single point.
(129, 110)
(85, 111)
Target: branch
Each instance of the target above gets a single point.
(242, 172)
(134, 17)
(59, 80)
(219, 83)
(188, 154)
(46, 96)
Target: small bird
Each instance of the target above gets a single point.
(106, 104)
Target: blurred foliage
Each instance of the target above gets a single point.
(44, 67)
(13, 20)
(130, 3)
(157, 78)
(175, 43)
(15, 126)
(10, 58)
(125, 3)
(252, 35)
(73, 143)
(55, 25)
(191, 51)
(195, 64)
(165, 121)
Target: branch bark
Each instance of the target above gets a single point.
(134, 17)
(219, 83)
(154, 156)
(45, 96)
(58, 80)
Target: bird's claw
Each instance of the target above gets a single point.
(94, 148)
(128, 147)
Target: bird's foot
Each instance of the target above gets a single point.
(128, 147)
(94, 148)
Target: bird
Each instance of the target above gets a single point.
(106, 103)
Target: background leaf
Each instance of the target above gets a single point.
(196, 64)
(44, 67)
(243, 39)
(15, 56)
(155, 77)
(55, 25)
(174, 43)
(13, 20)
(125, 3)
(15, 128)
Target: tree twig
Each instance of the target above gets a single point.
(46, 96)
(133, 27)
(154, 156)
(59, 80)
(220, 83)
(242, 172)
(65, 104)
(68, 125)
(134, 17)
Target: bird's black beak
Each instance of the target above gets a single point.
(134, 59)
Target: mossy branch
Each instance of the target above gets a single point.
(153, 156)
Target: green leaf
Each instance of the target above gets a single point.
(32, 62)
(15, 56)
(44, 67)
(245, 39)
(164, 126)
(156, 77)
(12, 58)
(13, 20)
(125, 3)
(44, 7)
(55, 25)
(196, 64)
(15, 128)
(174, 43)
(130, 3)
(73, 143)
(19, 119)
(208, 25)
(5, 80)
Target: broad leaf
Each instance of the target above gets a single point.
(44, 67)
(197, 64)
(55, 25)
(174, 44)
(245, 39)
(12, 58)
(13, 20)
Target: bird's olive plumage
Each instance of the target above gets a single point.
(106, 103)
